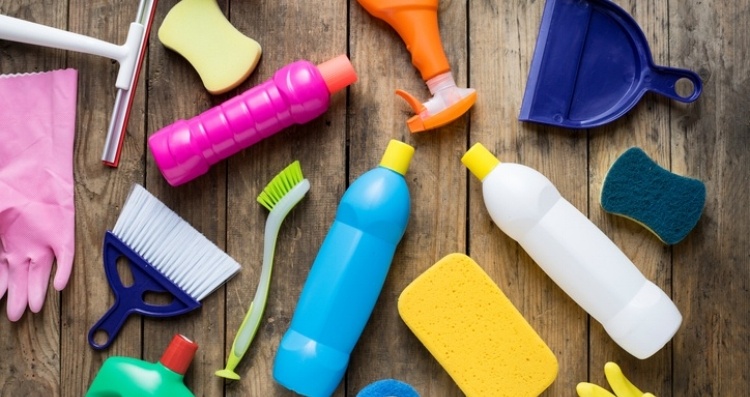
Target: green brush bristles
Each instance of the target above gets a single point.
(280, 185)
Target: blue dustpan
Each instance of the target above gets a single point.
(591, 65)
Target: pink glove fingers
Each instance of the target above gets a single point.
(3, 278)
(64, 265)
(39, 271)
(37, 207)
(17, 287)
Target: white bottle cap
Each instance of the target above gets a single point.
(646, 323)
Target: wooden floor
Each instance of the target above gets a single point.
(490, 45)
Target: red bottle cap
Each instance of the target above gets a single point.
(179, 354)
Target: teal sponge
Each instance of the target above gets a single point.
(669, 205)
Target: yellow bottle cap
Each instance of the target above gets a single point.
(479, 161)
(397, 156)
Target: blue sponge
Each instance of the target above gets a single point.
(388, 388)
(667, 204)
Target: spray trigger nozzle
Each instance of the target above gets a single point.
(448, 103)
(412, 101)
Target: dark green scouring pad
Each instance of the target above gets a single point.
(667, 204)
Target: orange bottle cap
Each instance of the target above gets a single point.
(338, 73)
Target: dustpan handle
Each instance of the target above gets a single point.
(664, 80)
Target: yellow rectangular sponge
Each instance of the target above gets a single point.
(476, 334)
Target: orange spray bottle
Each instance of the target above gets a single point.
(416, 22)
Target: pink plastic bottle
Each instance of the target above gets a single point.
(297, 93)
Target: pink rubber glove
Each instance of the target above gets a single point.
(37, 210)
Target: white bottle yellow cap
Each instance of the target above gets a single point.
(397, 156)
(479, 161)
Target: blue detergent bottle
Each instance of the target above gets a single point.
(346, 278)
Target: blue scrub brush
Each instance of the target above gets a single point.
(280, 195)
(165, 255)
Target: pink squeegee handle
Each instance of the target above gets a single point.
(296, 94)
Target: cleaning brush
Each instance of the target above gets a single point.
(280, 195)
(166, 255)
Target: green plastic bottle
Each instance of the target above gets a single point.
(131, 377)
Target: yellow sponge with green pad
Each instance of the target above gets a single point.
(222, 56)
(475, 333)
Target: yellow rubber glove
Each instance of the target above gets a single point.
(619, 383)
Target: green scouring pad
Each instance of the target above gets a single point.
(667, 204)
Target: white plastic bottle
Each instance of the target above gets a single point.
(575, 254)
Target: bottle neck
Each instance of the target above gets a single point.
(169, 374)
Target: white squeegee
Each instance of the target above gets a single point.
(129, 55)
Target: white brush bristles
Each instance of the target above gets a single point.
(173, 247)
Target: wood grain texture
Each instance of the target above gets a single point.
(489, 44)
(711, 142)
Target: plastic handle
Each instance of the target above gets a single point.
(416, 21)
(33, 33)
(251, 322)
(129, 300)
(664, 81)
(110, 324)
(273, 226)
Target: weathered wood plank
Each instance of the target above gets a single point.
(30, 347)
(710, 141)
(436, 180)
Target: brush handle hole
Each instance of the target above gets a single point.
(101, 337)
(124, 272)
(154, 298)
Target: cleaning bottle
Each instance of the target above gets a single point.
(576, 255)
(130, 377)
(297, 93)
(416, 21)
(346, 278)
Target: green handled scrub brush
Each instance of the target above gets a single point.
(279, 196)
